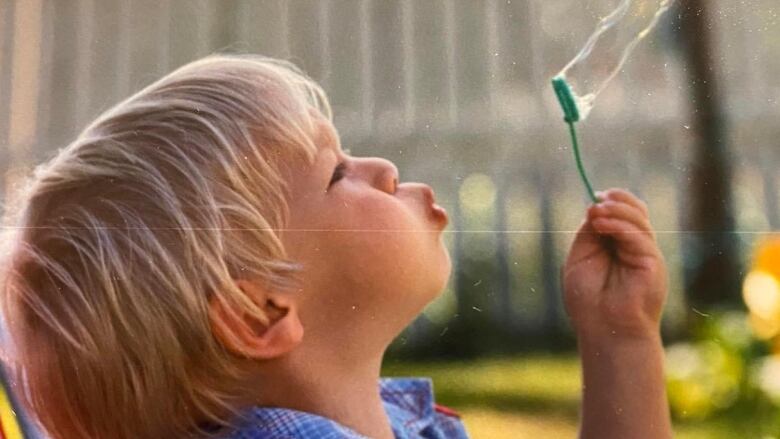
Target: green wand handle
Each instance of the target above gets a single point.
(572, 115)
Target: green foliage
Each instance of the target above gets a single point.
(538, 395)
(725, 375)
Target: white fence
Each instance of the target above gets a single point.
(455, 92)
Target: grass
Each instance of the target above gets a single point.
(533, 396)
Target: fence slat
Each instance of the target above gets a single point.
(85, 40)
(367, 66)
(25, 63)
(6, 46)
(409, 64)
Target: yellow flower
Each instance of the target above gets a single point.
(761, 290)
(768, 377)
(767, 257)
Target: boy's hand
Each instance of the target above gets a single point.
(614, 284)
(614, 278)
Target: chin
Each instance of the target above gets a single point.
(441, 275)
(421, 294)
(447, 261)
(447, 269)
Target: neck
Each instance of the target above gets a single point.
(328, 384)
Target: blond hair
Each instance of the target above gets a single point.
(121, 240)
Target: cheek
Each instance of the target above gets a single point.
(354, 237)
(386, 273)
(376, 244)
(391, 254)
(374, 252)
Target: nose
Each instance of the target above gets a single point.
(382, 174)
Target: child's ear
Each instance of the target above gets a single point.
(277, 332)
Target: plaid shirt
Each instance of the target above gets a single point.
(408, 402)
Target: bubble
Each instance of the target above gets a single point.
(607, 49)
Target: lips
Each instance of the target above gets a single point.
(437, 212)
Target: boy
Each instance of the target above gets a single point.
(205, 259)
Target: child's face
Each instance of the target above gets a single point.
(371, 248)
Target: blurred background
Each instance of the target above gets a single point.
(457, 94)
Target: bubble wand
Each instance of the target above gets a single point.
(577, 107)
(571, 116)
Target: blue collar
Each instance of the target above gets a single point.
(409, 405)
(408, 402)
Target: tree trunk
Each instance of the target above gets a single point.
(712, 267)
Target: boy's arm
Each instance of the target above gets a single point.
(624, 393)
(614, 289)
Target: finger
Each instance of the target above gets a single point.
(586, 242)
(629, 239)
(623, 211)
(626, 197)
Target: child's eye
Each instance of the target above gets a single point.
(338, 173)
